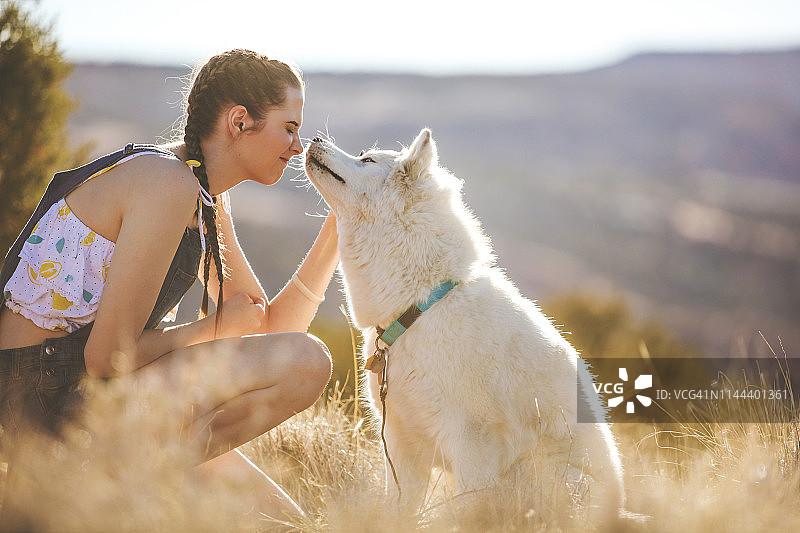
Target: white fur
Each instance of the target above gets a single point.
(482, 381)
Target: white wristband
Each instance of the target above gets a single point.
(306, 291)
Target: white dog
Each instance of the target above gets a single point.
(481, 382)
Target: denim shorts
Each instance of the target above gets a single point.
(40, 386)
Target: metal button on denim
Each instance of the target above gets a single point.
(50, 372)
(50, 350)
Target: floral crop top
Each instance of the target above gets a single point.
(62, 269)
(61, 273)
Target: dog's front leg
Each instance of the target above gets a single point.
(412, 458)
(474, 456)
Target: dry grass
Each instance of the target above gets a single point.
(685, 477)
(682, 477)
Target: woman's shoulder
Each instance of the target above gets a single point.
(161, 179)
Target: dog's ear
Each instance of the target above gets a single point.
(422, 155)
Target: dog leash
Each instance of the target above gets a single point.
(379, 361)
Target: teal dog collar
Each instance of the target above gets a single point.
(399, 326)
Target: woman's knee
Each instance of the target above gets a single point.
(305, 371)
(313, 360)
(297, 360)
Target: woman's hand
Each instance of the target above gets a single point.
(241, 315)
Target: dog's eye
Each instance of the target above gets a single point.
(367, 160)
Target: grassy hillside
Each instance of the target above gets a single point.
(694, 478)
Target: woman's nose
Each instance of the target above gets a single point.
(297, 146)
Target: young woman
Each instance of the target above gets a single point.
(115, 244)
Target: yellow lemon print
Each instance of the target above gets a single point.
(50, 269)
(63, 212)
(104, 272)
(60, 303)
(88, 240)
(33, 275)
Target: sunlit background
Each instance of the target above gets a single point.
(434, 37)
(633, 159)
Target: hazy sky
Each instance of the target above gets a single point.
(426, 36)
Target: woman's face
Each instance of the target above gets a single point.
(265, 152)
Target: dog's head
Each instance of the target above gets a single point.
(403, 227)
(378, 184)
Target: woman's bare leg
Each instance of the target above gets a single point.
(227, 392)
(263, 496)
(224, 393)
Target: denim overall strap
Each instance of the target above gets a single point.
(186, 258)
(180, 277)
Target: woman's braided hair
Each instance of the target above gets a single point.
(236, 77)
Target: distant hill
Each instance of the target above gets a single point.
(673, 178)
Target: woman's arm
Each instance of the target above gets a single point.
(154, 209)
(290, 310)
(242, 316)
